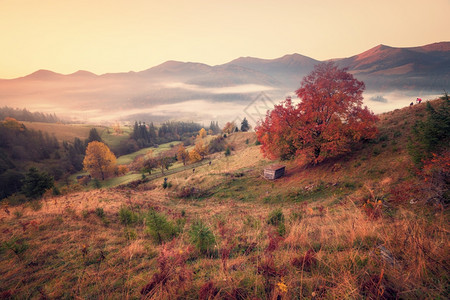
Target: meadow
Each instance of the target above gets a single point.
(352, 227)
(64, 132)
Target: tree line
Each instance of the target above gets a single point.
(20, 146)
(23, 149)
(148, 135)
(26, 115)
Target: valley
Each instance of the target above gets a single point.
(176, 90)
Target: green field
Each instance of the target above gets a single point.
(127, 159)
(113, 139)
(67, 132)
(115, 181)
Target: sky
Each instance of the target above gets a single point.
(106, 36)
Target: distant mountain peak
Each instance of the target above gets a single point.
(294, 56)
(83, 73)
(285, 58)
(43, 75)
(379, 47)
(174, 64)
(170, 63)
(376, 53)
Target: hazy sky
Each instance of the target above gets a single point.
(121, 35)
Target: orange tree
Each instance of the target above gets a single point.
(328, 118)
(229, 127)
(202, 133)
(182, 154)
(99, 160)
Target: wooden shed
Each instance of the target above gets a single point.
(274, 171)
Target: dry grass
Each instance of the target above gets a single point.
(74, 253)
(331, 244)
(63, 132)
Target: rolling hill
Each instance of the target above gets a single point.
(354, 227)
(415, 68)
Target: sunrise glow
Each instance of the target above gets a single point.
(119, 36)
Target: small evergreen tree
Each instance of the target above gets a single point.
(244, 125)
(36, 183)
(93, 136)
(214, 127)
(228, 151)
(202, 237)
(159, 228)
(432, 135)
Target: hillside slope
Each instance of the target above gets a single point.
(336, 230)
(414, 68)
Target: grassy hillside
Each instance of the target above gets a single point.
(113, 139)
(336, 230)
(67, 132)
(127, 159)
(64, 132)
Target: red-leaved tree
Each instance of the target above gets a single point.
(328, 118)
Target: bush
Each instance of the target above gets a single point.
(15, 199)
(383, 138)
(97, 184)
(159, 228)
(189, 192)
(228, 152)
(275, 217)
(121, 170)
(130, 234)
(99, 212)
(281, 229)
(216, 145)
(71, 188)
(18, 246)
(397, 134)
(126, 216)
(202, 237)
(56, 191)
(166, 184)
(35, 205)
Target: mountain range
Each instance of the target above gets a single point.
(157, 90)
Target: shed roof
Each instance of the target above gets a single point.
(274, 167)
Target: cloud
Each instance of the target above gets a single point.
(235, 89)
(193, 110)
(379, 99)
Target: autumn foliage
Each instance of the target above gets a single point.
(182, 154)
(229, 127)
(328, 118)
(12, 123)
(99, 161)
(202, 133)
